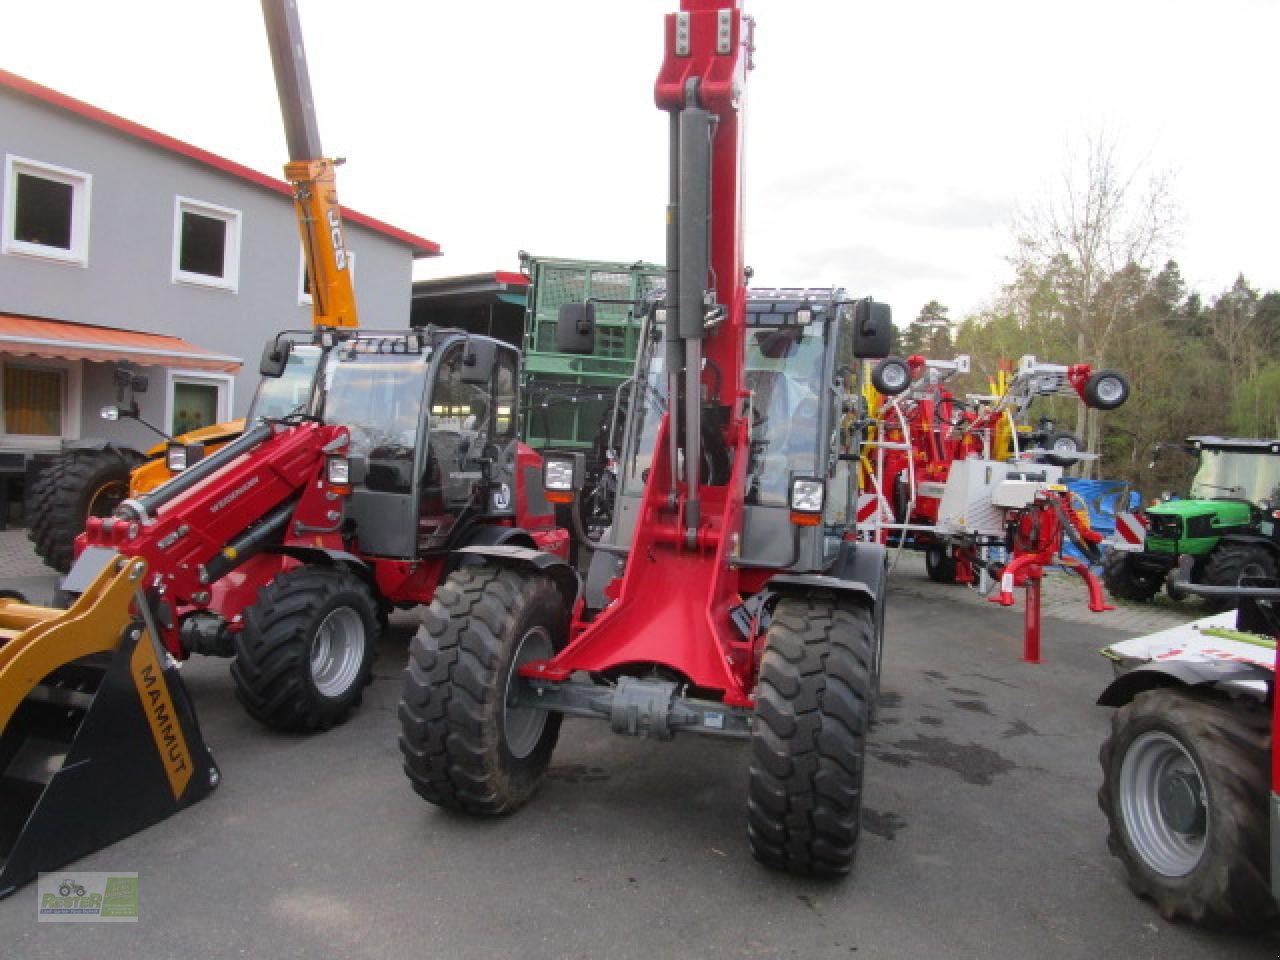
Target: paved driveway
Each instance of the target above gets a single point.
(982, 836)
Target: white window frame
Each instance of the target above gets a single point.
(230, 279)
(225, 383)
(304, 298)
(81, 187)
(72, 400)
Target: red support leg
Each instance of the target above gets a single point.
(1031, 622)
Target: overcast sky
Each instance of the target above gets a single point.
(888, 143)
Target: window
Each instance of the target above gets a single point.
(33, 401)
(206, 244)
(304, 276)
(39, 401)
(197, 400)
(46, 211)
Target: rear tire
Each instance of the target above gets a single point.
(463, 747)
(1125, 581)
(306, 652)
(1204, 860)
(1231, 563)
(940, 564)
(74, 486)
(804, 799)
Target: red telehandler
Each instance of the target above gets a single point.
(284, 549)
(733, 599)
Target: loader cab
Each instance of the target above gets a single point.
(801, 472)
(433, 445)
(801, 351)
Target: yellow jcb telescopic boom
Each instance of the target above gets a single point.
(315, 194)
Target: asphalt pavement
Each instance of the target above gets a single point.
(982, 837)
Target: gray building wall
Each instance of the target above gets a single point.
(128, 280)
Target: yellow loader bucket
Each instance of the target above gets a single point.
(98, 738)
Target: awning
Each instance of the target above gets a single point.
(62, 340)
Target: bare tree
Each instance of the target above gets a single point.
(1099, 234)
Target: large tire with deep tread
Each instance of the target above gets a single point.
(306, 652)
(1125, 581)
(1230, 746)
(804, 799)
(940, 563)
(463, 748)
(1231, 562)
(74, 486)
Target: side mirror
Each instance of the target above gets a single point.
(872, 329)
(576, 328)
(478, 358)
(275, 355)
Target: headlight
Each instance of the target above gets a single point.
(111, 412)
(183, 456)
(176, 457)
(557, 475)
(338, 471)
(807, 495)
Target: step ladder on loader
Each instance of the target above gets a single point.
(98, 737)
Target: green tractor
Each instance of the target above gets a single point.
(1228, 524)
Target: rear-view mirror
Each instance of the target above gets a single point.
(872, 329)
(274, 357)
(576, 328)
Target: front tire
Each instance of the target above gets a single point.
(1185, 790)
(808, 744)
(464, 747)
(306, 652)
(1125, 581)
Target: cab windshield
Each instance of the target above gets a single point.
(1234, 475)
(378, 396)
(289, 393)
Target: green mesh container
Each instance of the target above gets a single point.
(566, 396)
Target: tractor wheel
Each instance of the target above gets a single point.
(1106, 390)
(1232, 563)
(306, 652)
(76, 485)
(891, 376)
(808, 744)
(1184, 787)
(940, 564)
(1125, 581)
(464, 747)
(1062, 449)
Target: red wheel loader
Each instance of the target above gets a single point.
(283, 549)
(730, 596)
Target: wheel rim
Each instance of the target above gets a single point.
(522, 726)
(106, 498)
(1109, 390)
(1065, 445)
(893, 376)
(1162, 800)
(336, 651)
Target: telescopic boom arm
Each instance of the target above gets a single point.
(313, 177)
